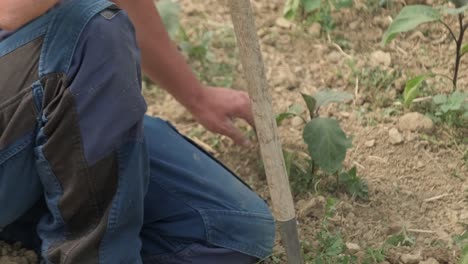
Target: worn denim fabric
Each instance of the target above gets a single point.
(76, 154)
(56, 107)
(194, 199)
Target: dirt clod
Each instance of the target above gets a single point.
(395, 136)
(315, 29)
(415, 122)
(429, 261)
(283, 23)
(353, 248)
(315, 207)
(370, 143)
(411, 258)
(381, 58)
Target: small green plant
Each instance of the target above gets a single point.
(401, 238)
(461, 241)
(451, 109)
(196, 47)
(315, 11)
(327, 145)
(412, 16)
(375, 82)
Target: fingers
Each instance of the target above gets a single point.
(244, 109)
(230, 130)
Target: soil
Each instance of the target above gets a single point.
(420, 184)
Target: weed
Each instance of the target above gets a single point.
(461, 241)
(197, 46)
(315, 11)
(451, 109)
(375, 82)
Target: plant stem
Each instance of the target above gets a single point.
(450, 30)
(459, 45)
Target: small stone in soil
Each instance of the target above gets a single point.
(381, 58)
(315, 29)
(395, 136)
(334, 56)
(352, 247)
(430, 261)
(410, 259)
(370, 143)
(283, 23)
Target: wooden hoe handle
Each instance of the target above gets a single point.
(267, 131)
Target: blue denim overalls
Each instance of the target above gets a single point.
(85, 170)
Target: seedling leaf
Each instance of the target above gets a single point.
(439, 99)
(400, 239)
(409, 18)
(455, 11)
(354, 185)
(464, 49)
(342, 3)
(311, 5)
(291, 8)
(311, 103)
(327, 143)
(293, 110)
(412, 89)
(326, 97)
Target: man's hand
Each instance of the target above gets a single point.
(218, 107)
(214, 108)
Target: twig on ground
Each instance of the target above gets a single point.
(435, 198)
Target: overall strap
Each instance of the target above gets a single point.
(64, 31)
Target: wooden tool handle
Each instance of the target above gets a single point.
(267, 132)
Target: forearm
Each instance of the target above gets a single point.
(161, 60)
(16, 13)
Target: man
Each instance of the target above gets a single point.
(116, 187)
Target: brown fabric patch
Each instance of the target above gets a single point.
(19, 69)
(87, 191)
(17, 110)
(17, 118)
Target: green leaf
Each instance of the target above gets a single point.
(412, 89)
(464, 49)
(354, 185)
(460, 7)
(327, 143)
(325, 97)
(291, 8)
(293, 110)
(409, 18)
(170, 15)
(400, 239)
(464, 257)
(342, 3)
(455, 101)
(440, 99)
(311, 103)
(311, 5)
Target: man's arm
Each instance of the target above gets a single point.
(16, 13)
(214, 108)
